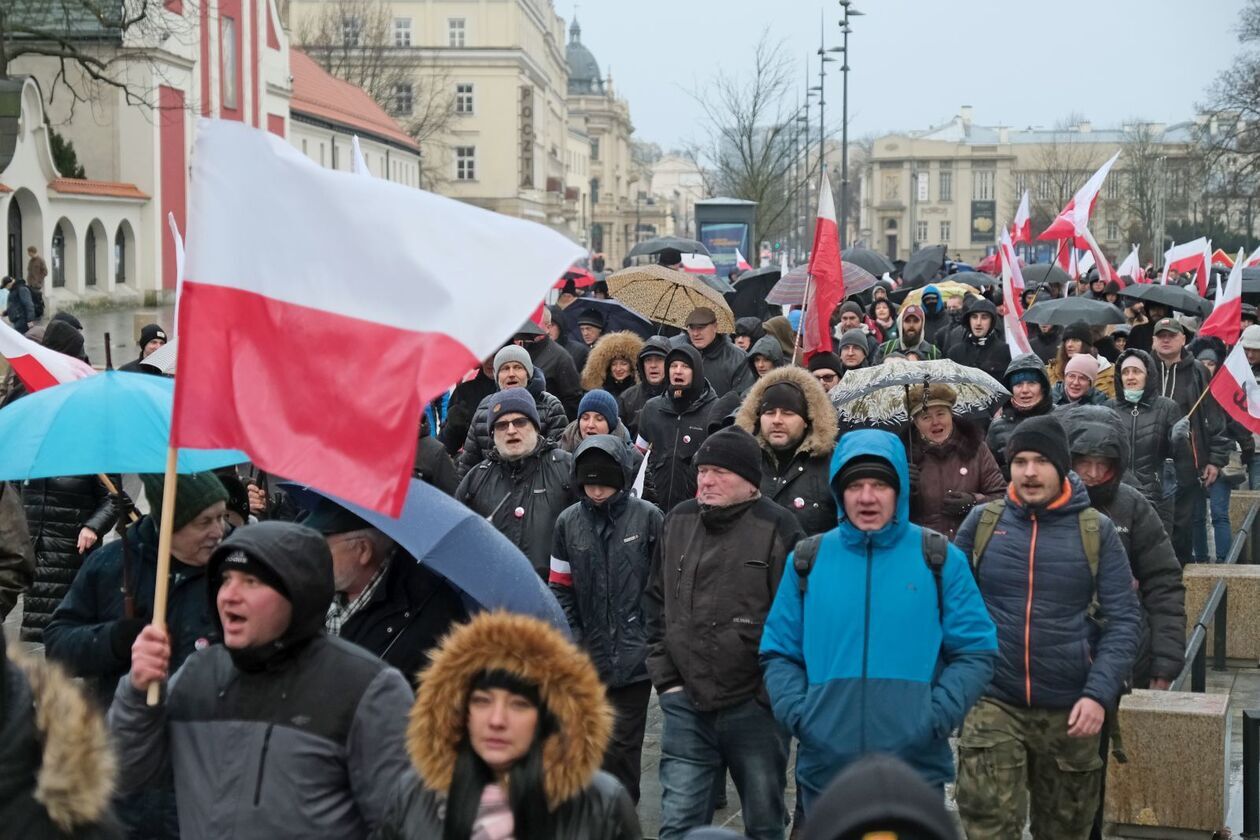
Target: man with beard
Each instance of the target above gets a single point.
(651, 364)
(910, 338)
(1029, 385)
(674, 425)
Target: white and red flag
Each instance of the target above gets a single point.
(1012, 293)
(37, 366)
(1225, 322)
(1190, 256)
(1132, 267)
(1075, 216)
(1235, 390)
(1253, 259)
(740, 262)
(826, 281)
(322, 309)
(698, 264)
(1021, 230)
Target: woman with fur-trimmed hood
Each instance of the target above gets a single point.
(792, 418)
(611, 364)
(506, 739)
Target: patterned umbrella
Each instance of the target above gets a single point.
(791, 289)
(876, 396)
(665, 296)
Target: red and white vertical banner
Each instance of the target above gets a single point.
(1012, 290)
(1225, 320)
(1235, 390)
(1021, 230)
(826, 280)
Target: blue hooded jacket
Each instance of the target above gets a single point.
(865, 662)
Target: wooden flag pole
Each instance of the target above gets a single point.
(800, 333)
(109, 486)
(162, 584)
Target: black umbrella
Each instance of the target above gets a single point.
(924, 265)
(1251, 280)
(617, 316)
(751, 288)
(1174, 297)
(1064, 311)
(664, 243)
(975, 278)
(1036, 275)
(873, 261)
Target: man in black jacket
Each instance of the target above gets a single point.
(554, 361)
(651, 363)
(463, 405)
(981, 344)
(725, 365)
(714, 576)
(674, 425)
(386, 602)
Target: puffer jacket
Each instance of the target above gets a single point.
(963, 463)
(480, 440)
(1147, 431)
(767, 346)
(598, 374)
(865, 660)
(1036, 583)
(522, 498)
(988, 353)
(725, 365)
(675, 424)
(1104, 382)
(1009, 417)
(17, 558)
(1093, 431)
(800, 480)
(56, 510)
(600, 562)
(635, 397)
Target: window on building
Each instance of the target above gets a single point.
(1113, 230)
(594, 148)
(402, 32)
(924, 179)
(947, 186)
(334, 154)
(89, 255)
(594, 191)
(1045, 186)
(351, 30)
(227, 35)
(464, 98)
(982, 185)
(321, 154)
(1111, 187)
(946, 230)
(465, 163)
(920, 232)
(455, 32)
(120, 257)
(403, 99)
(303, 145)
(1021, 183)
(58, 257)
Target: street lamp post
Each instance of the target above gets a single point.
(849, 11)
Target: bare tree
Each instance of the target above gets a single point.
(1233, 131)
(1059, 167)
(1143, 198)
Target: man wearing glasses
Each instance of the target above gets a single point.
(524, 483)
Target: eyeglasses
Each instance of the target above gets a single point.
(827, 377)
(515, 423)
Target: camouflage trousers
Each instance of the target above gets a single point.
(1008, 756)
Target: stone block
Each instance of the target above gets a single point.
(1243, 608)
(1240, 501)
(1177, 774)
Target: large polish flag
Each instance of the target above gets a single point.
(1190, 256)
(322, 309)
(826, 286)
(1236, 391)
(1225, 322)
(1021, 230)
(1075, 216)
(37, 366)
(1012, 290)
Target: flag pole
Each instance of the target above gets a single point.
(162, 584)
(804, 310)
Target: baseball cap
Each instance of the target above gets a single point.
(1168, 325)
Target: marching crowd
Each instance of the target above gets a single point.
(715, 534)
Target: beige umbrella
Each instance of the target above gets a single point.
(666, 296)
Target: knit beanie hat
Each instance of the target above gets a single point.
(1251, 337)
(602, 403)
(1084, 364)
(852, 306)
(193, 493)
(239, 561)
(866, 466)
(854, 338)
(1044, 435)
(595, 466)
(1080, 331)
(512, 353)
(512, 401)
(827, 361)
(149, 332)
(786, 396)
(62, 337)
(1132, 361)
(732, 449)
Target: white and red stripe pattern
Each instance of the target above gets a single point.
(1021, 231)
(698, 264)
(322, 309)
(1225, 321)
(36, 365)
(1189, 256)
(1253, 260)
(1132, 267)
(561, 572)
(1012, 290)
(1075, 216)
(825, 290)
(1234, 388)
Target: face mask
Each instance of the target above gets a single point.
(1134, 396)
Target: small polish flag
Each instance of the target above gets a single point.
(826, 287)
(1132, 267)
(1021, 231)
(698, 264)
(1254, 259)
(1235, 390)
(740, 262)
(640, 478)
(1225, 322)
(1195, 255)
(36, 365)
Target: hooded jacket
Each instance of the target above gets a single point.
(1009, 417)
(598, 374)
(522, 498)
(781, 328)
(800, 482)
(480, 440)
(923, 348)
(1147, 428)
(600, 561)
(559, 371)
(1094, 431)
(675, 424)
(989, 352)
(937, 322)
(1036, 582)
(1045, 344)
(584, 802)
(750, 325)
(767, 346)
(19, 305)
(725, 365)
(636, 396)
(963, 463)
(864, 660)
(300, 738)
(1183, 382)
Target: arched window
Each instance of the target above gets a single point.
(58, 257)
(120, 257)
(89, 253)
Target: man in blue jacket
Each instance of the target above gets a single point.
(1056, 580)
(880, 650)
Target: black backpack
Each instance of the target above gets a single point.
(935, 549)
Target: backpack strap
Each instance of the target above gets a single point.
(935, 550)
(989, 516)
(1091, 539)
(803, 557)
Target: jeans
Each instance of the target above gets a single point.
(695, 744)
(1218, 503)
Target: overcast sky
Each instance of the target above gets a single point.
(914, 62)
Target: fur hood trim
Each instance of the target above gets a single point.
(535, 652)
(76, 775)
(820, 437)
(625, 344)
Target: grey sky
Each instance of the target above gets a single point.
(914, 62)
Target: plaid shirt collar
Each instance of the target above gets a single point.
(342, 610)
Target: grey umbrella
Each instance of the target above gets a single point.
(664, 243)
(1174, 297)
(1064, 311)
(872, 261)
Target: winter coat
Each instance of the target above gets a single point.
(781, 328)
(598, 374)
(750, 325)
(635, 397)
(713, 580)
(767, 346)
(56, 510)
(522, 498)
(600, 562)
(1147, 431)
(80, 633)
(1009, 416)
(480, 438)
(989, 353)
(17, 557)
(1058, 396)
(465, 399)
(961, 463)
(1103, 383)
(675, 428)
(865, 660)
(56, 762)
(1036, 583)
(1045, 345)
(20, 307)
(725, 365)
(801, 481)
(583, 802)
(434, 466)
(558, 368)
(572, 439)
(1183, 382)
(305, 744)
(408, 614)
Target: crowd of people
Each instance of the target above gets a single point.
(714, 535)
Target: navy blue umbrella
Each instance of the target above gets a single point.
(460, 546)
(617, 316)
